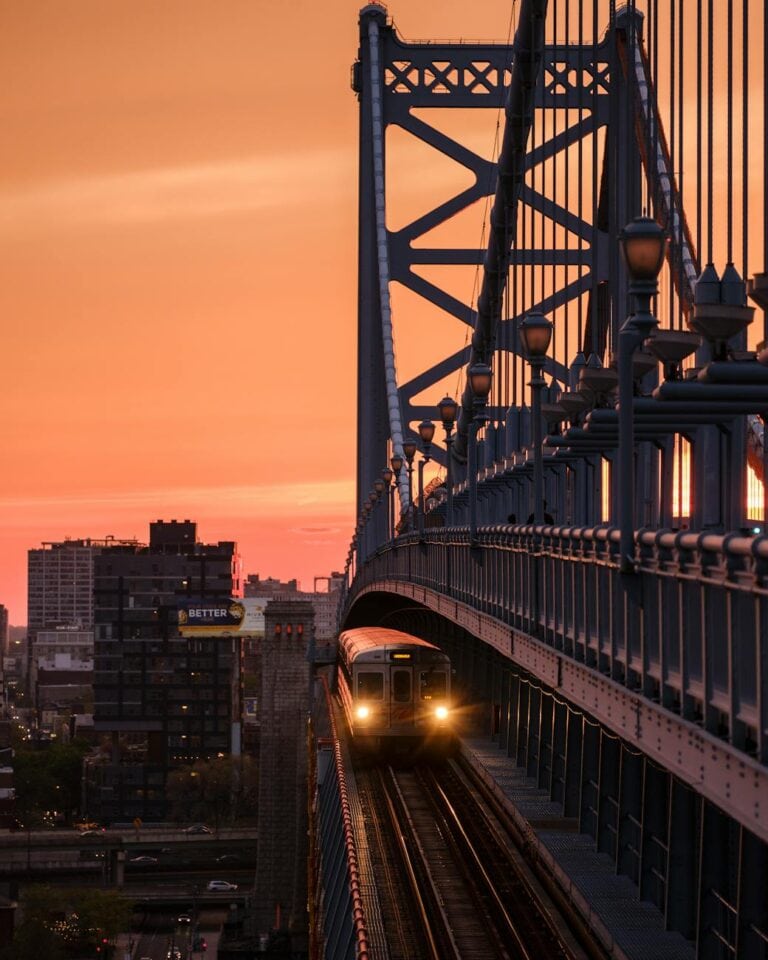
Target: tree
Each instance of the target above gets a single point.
(58, 922)
(48, 779)
(220, 790)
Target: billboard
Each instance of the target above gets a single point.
(232, 617)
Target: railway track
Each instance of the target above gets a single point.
(451, 884)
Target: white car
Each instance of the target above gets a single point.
(221, 885)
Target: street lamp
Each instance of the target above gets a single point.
(378, 489)
(386, 476)
(409, 451)
(480, 376)
(448, 409)
(426, 432)
(643, 244)
(535, 335)
(396, 462)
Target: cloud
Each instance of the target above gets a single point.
(324, 498)
(193, 191)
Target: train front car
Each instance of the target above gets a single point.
(395, 689)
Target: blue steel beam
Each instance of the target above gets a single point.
(528, 52)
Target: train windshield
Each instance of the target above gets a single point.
(370, 686)
(433, 685)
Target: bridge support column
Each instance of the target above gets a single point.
(281, 877)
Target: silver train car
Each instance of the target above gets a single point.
(395, 690)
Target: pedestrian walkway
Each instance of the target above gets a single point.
(628, 928)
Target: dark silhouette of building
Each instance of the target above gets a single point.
(160, 698)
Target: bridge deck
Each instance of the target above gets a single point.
(629, 928)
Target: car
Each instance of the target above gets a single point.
(198, 828)
(183, 919)
(221, 885)
(90, 833)
(143, 859)
(228, 858)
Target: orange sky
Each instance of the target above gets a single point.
(178, 271)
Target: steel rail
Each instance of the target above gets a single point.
(447, 810)
(396, 819)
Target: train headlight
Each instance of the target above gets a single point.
(441, 713)
(363, 713)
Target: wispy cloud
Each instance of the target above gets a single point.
(324, 499)
(192, 191)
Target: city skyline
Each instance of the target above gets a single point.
(155, 193)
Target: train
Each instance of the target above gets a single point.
(395, 690)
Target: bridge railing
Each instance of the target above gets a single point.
(688, 630)
(337, 916)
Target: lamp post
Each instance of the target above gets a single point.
(643, 244)
(426, 432)
(480, 376)
(386, 476)
(396, 462)
(378, 488)
(448, 409)
(409, 450)
(535, 335)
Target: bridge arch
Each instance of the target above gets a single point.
(483, 646)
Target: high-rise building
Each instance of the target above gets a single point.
(60, 589)
(60, 585)
(160, 699)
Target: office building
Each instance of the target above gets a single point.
(160, 699)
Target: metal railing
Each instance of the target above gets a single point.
(344, 931)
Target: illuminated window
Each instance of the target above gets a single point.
(605, 489)
(755, 496)
(681, 483)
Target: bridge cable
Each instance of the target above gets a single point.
(377, 128)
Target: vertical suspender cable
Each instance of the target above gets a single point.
(710, 128)
(613, 165)
(744, 138)
(671, 223)
(699, 120)
(729, 129)
(555, 193)
(595, 181)
(680, 157)
(580, 177)
(668, 202)
(649, 52)
(566, 272)
(655, 89)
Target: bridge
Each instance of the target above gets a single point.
(587, 536)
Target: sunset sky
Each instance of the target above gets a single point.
(178, 271)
